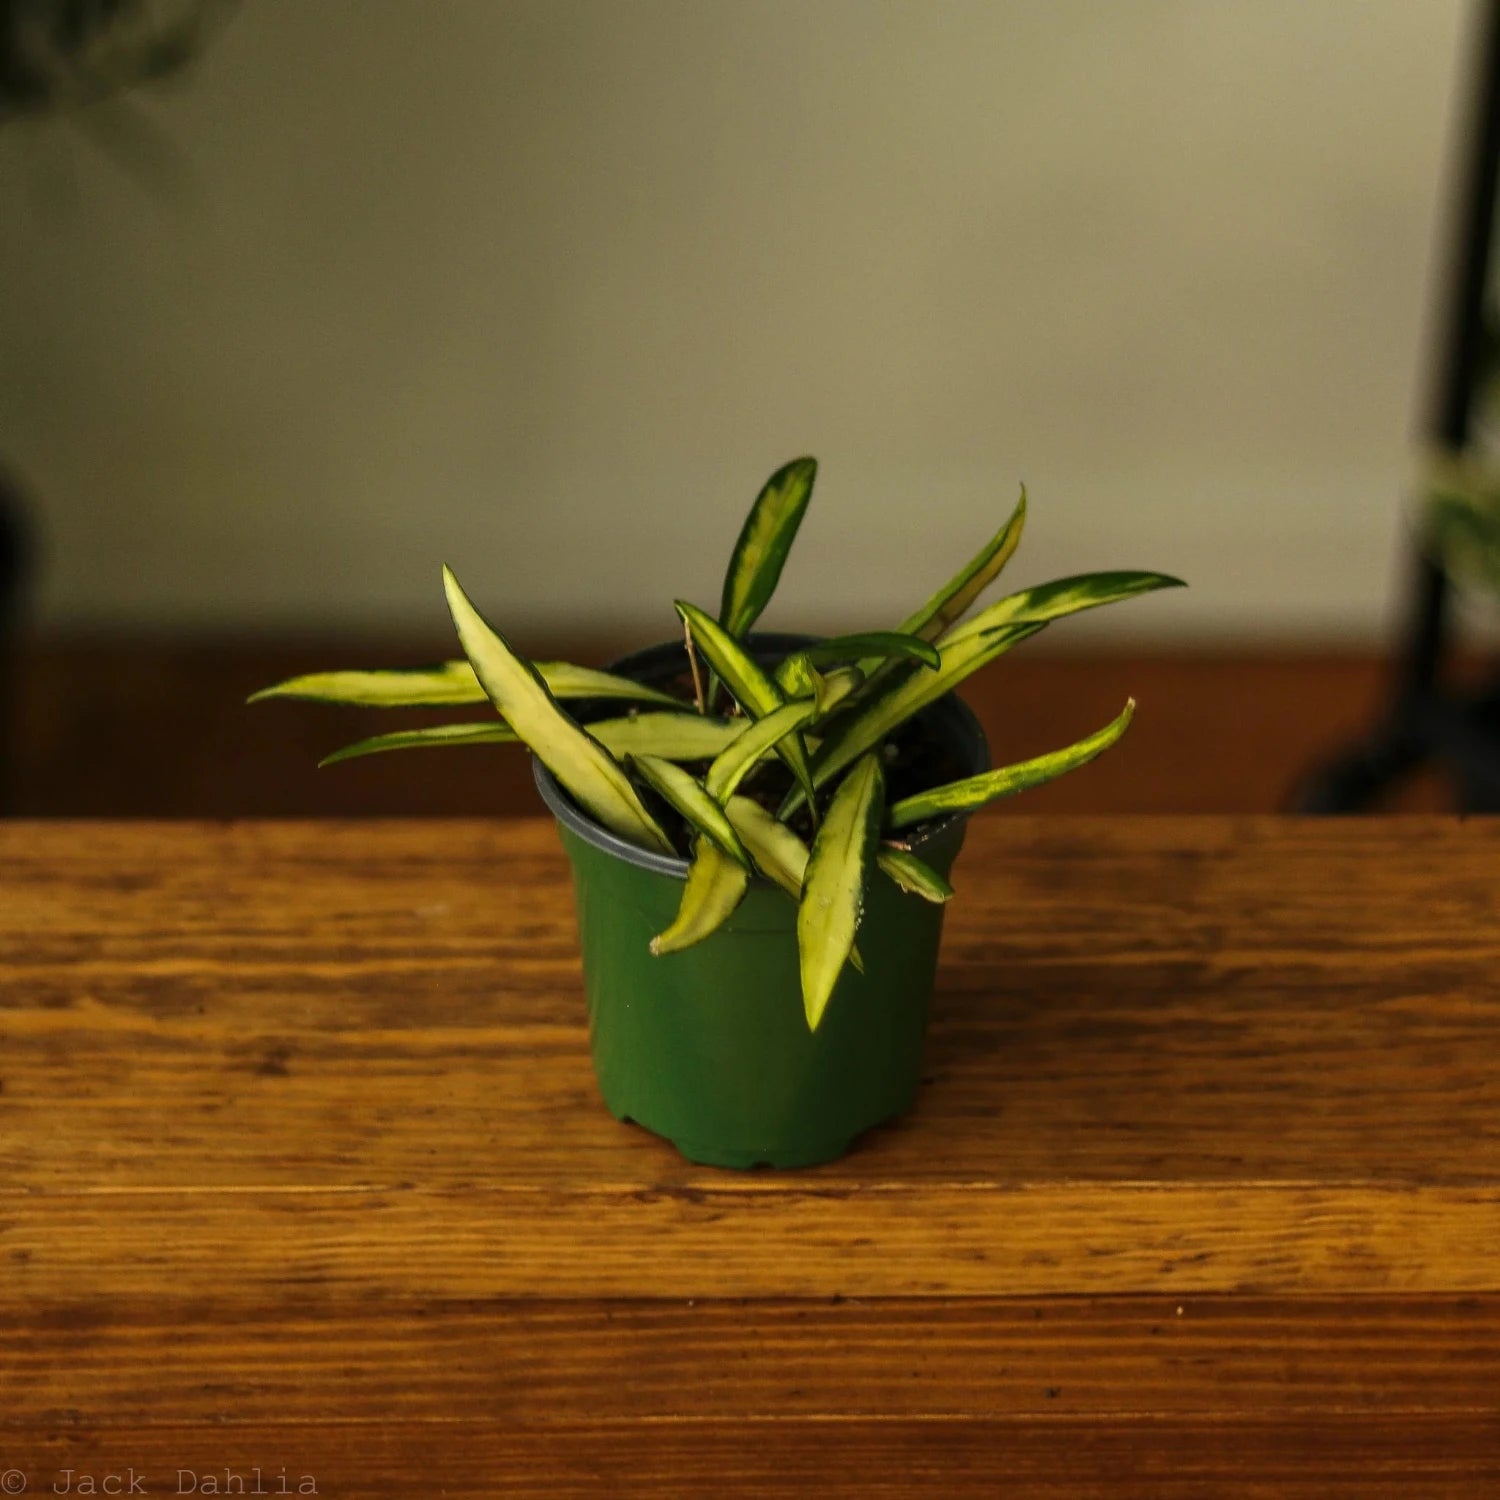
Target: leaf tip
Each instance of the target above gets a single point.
(814, 1009)
(344, 752)
(453, 590)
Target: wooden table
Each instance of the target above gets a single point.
(302, 1170)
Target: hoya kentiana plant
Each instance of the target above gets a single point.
(781, 767)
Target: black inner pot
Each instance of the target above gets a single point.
(942, 743)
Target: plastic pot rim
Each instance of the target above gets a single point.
(965, 726)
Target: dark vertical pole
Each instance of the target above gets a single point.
(1458, 362)
(12, 577)
(1419, 724)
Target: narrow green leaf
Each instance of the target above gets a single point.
(761, 551)
(734, 764)
(798, 678)
(778, 853)
(695, 804)
(671, 736)
(715, 886)
(833, 887)
(491, 732)
(580, 763)
(914, 875)
(745, 678)
(835, 687)
(870, 720)
(449, 684)
(954, 598)
(747, 681)
(683, 736)
(564, 680)
(975, 791)
(871, 644)
(964, 650)
(1063, 596)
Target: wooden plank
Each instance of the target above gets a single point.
(1365, 1457)
(301, 1168)
(1205, 1056)
(102, 1361)
(1232, 1002)
(316, 1248)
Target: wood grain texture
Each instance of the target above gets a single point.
(536, 1360)
(1449, 1457)
(301, 1164)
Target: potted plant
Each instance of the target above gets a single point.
(761, 829)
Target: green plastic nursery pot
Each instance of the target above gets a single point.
(709, 1047)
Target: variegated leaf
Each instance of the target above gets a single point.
(449, 684)
(954, 598)
(681, 736)
(869, 721)
(761, 551)
(490, 732)
(798, 678)
(734, 764)
(778, 853)
(746, 680)
(914, 875)
(833, 888)
(715, 886)
(1063, 596)
(580, 763)
(689, 798)
(976, 791)
(564, 680)
(871, 644)
(835, 687)
(671, 736)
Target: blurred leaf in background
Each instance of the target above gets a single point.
(62, 54)
(1460, 521)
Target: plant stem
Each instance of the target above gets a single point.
(692, 655)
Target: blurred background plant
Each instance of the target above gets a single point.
(74, 58)
(63, 54)
(1459, 525)
(544, 278)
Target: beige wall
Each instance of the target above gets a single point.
(545, 289)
